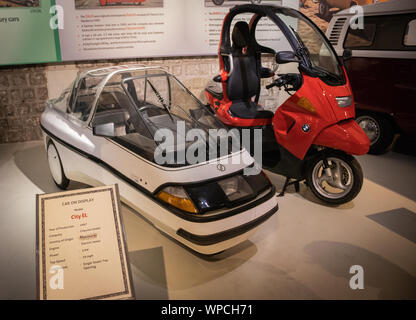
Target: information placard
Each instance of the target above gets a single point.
(75, 30)
(81, 247)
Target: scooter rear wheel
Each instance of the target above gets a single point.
(337, 184)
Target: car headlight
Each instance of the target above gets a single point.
(344, 102)
(235, 188)
(177, 197)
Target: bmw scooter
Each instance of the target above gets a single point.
(311, 135)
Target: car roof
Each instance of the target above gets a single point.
(111, 70)
(384, 8)
(101, 76)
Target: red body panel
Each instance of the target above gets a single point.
(322, 96)
(327, 125)
(346, 136)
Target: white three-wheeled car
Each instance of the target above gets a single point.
(103, 129)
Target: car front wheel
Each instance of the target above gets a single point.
(379, 130)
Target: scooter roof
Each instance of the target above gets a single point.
(270, 11)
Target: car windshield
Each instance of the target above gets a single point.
(163, 101)
(314, 47)
(147, 105)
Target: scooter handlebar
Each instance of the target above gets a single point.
(277, 83)
(269, 86)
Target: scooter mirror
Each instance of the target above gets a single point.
(286, 57)
(217, 78)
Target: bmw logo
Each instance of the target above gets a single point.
(306, 128)
(221, 167)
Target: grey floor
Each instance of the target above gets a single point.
(303, 252)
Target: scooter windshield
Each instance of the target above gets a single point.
(314, 47)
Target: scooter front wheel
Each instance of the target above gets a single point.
(335, 179)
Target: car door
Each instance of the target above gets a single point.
(127, 151)
(369, 73)
(80, 104)
(382, 66)
(404, 87)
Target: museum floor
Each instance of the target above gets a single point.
(303, 252)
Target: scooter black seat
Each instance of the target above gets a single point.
(249, 110)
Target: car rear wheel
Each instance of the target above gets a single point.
(379, 130)
(55, 166)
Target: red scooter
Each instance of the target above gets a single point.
(312, 135)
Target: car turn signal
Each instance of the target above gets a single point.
(177, 197)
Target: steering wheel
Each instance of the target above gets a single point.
(129, 124)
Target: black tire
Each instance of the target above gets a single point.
(63, 184)
(357, 173)
(218, 2)
(384, 131)
(323, 9)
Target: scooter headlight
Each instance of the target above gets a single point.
(344, 102)
(177, 197)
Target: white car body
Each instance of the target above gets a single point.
(97, 160)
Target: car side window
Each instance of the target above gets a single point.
(360, 37)
(410, 34)
(115, 107)
(386, 32)
(84, 99)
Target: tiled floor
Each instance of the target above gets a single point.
(305, 251)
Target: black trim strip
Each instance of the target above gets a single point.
(181, 214)
(291, 127)
(225, 235)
